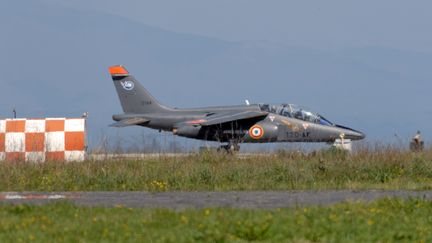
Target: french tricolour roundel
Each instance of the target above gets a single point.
(256, 132)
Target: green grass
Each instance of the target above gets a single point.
(380, 169)
(385, 220)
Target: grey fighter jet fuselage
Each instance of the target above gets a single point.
(254, 123)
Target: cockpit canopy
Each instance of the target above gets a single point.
(297, 112)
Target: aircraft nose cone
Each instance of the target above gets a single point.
(355, 135)
(351, 133)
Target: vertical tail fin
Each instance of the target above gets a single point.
(134, 98)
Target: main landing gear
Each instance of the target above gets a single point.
(231, 147)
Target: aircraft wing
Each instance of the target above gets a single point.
(130, 122)
(228, 117)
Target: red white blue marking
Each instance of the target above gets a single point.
(256, 132)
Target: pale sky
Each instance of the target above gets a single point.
(326, 24)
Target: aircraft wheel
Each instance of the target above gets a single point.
(235, 147)
(229, 148)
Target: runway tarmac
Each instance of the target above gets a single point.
(137, 156)
(183, 200)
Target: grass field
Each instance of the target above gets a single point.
(386, 220)
(368, 169)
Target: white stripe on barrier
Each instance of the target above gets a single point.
(15, 142)
(55, 141)
(74, 155)
(35, 126)
(74, 125)
(2, 126)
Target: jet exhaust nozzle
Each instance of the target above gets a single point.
(187, 131)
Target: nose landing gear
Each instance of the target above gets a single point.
(342, 143)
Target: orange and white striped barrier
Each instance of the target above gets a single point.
(38, 140)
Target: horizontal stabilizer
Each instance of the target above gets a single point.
(130, 122)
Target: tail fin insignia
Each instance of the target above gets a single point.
(134, 98)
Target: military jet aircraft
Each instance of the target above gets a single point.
(249, 123)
